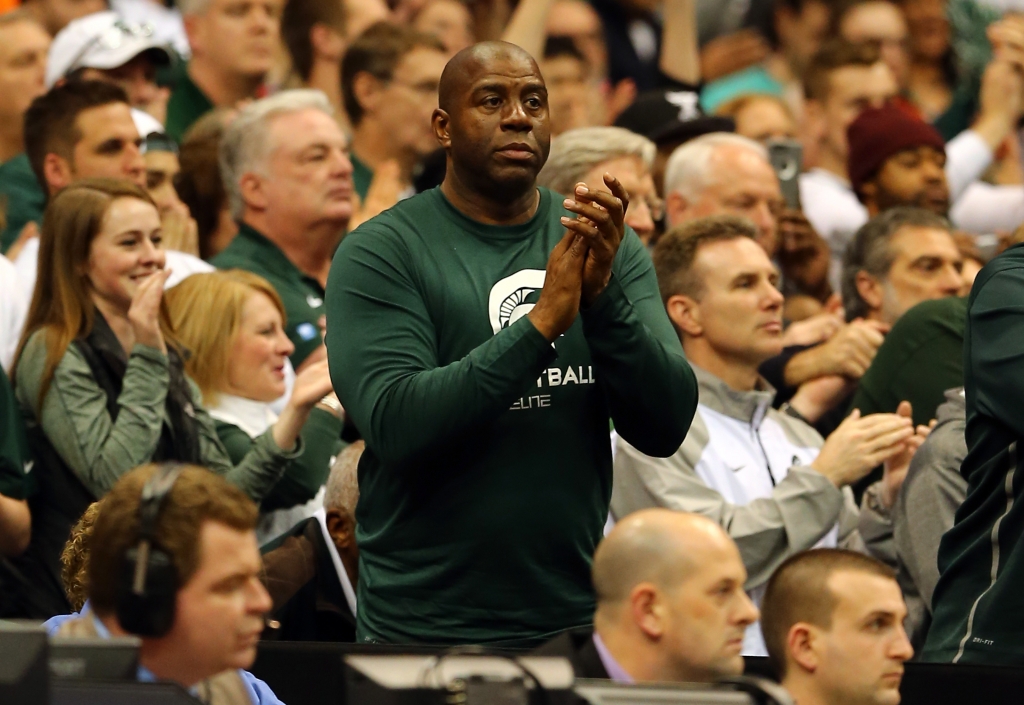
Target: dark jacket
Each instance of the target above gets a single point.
(308, 599)
(976, 613)
(577, 645)
(63, 497)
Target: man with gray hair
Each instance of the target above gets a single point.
(670, 604)
(586, 154)
(233, 47)
(724, 174)
(311, 571)
(898, 259)
(288, 177)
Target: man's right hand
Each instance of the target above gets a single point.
(848, 353)
(559, 300)
(861, 444)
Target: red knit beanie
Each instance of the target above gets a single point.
(879, 133)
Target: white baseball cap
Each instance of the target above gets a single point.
(101, 40)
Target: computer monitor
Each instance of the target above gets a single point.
(24, 679)
(114, 659)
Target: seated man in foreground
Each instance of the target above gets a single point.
(670, 604)
(198, 604)
(833, 623)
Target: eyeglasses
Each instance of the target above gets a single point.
(112, 38)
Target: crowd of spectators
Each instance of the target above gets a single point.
(336, 301)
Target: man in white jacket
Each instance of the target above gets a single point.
(765, 475)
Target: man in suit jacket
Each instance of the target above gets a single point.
(311, 572)
(670, 603)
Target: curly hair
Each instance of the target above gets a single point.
(74, 559)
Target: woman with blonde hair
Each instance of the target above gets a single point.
(232, 323)
(99, 377)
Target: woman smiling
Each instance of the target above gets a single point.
(99, 376)
(232, 324)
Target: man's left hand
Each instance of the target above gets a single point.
(601, 224)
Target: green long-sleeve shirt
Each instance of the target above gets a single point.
(99, 450)
(303, 476)
(487, 473)
(977, 615)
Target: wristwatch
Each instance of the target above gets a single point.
(788, 410)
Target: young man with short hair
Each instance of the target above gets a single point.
(313, 32)
(389, 78)
(206, 528)
(84, 129)
(233, 48)
(833, 623)
(764, 474)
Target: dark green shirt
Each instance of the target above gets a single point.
(922, 357)
(21, 198)
(977, 615)
(305, 475)
(187, 104)
(362, 176)
(16, 480)
(486, 478)
(302, 296)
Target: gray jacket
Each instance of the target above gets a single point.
(745, 465)
(928, 501)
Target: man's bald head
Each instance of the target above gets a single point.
(492, 120)
(658, 546)
(670, 599)
(466, 66)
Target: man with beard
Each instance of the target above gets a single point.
(480, 337)
(896, 159)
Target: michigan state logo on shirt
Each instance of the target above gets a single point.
(513, 297)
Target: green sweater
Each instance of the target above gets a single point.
(303, 476)
(487, 473)
(977, 616)
(922, 357)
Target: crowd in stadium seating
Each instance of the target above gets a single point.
(318, 314)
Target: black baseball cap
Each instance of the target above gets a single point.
(671, 116)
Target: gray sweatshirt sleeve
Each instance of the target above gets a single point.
(75, 420)
(926, 507)
(802, 508)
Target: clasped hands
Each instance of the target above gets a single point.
(580, 265)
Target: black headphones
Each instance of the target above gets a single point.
(149, 581)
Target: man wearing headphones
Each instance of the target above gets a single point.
(174, 560)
